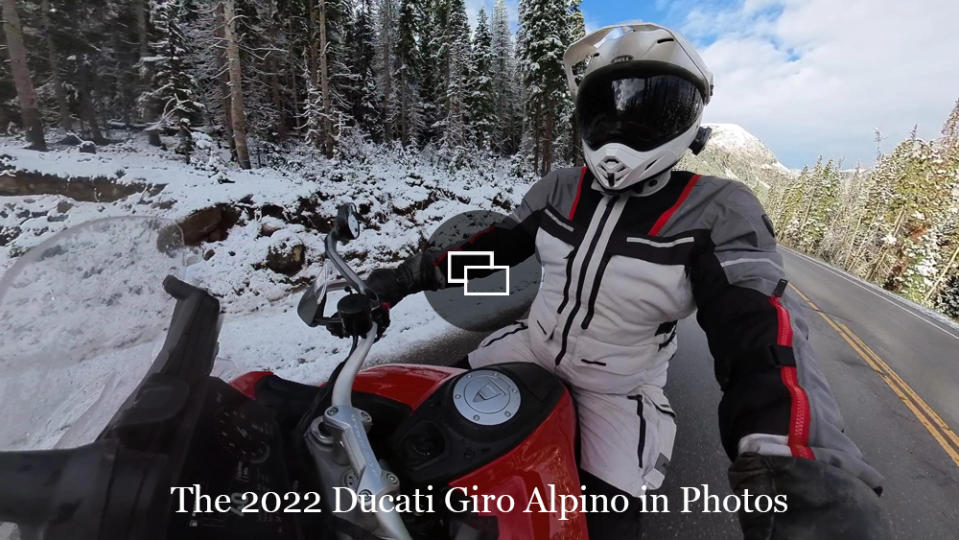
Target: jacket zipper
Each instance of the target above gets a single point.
(591, 304)
(582, 278)
(569, 277)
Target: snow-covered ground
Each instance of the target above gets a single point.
(402, 195)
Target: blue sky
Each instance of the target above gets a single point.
(813, 77)
(600, 13)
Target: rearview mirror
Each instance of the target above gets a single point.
(347, 226)
(313, 301)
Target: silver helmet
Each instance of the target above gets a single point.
(639, 102)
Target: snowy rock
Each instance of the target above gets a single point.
(269, 225)
(71, 140)
(88, 147)
(7, 234)
(286, 253)
(209, 224)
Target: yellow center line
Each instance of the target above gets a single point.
(919, 401)
(928, 417)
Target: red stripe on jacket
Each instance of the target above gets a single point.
(661, 222)
(579, 192)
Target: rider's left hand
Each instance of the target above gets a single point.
(413, 275)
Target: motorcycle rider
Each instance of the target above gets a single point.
(628, 247)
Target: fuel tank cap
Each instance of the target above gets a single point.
(486, 397)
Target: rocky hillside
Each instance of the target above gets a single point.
(733, 152)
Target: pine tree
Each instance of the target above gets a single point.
(408, 72)
(172, 98)
(482, 107)
(567, 139)
(362, 95)
(505, 83)
(430, 52)
(950, 130)
(458, 63)
(388, 18)
(544, 25)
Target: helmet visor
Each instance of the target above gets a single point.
(642, 112)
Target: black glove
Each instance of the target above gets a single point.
(823, 501)
(413, 275)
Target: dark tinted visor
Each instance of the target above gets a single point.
(642, 112)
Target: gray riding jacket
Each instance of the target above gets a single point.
(619, 271)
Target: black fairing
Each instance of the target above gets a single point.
(178, 427)
(436, 444)
(290, 399)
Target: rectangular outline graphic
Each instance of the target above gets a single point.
(466, 271)
(449, 264)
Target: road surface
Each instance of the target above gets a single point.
(894, 371)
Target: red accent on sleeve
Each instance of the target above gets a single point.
(784, 336)
(439, 260)
(799, 415)
(661, 222)
(579, 191)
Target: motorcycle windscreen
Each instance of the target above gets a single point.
(82, 316)
(641, 112)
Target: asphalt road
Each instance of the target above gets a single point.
(894, 371)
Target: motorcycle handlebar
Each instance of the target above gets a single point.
(341, 266)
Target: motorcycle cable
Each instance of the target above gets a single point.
(323, 398)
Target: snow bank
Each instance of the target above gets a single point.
(403, 196)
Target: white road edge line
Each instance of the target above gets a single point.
(921, 317)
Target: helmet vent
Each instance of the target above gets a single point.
(612, 165)
(665, 40)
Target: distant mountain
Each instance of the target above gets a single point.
(732, 152)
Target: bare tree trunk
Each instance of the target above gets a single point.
(60, 92)
(274, 60)
(326, 128)
(294, 92)
(882, 251)
(237, 115)
(537, 139)
(21, 76)
(141, 11)
(942, 276)
(548, 143)
(87, 81)
(386, 53)
(291, 62)
(223, 79)
(281, 130)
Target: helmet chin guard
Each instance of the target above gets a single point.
(618, 167)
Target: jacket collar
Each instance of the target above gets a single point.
(646, 188)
